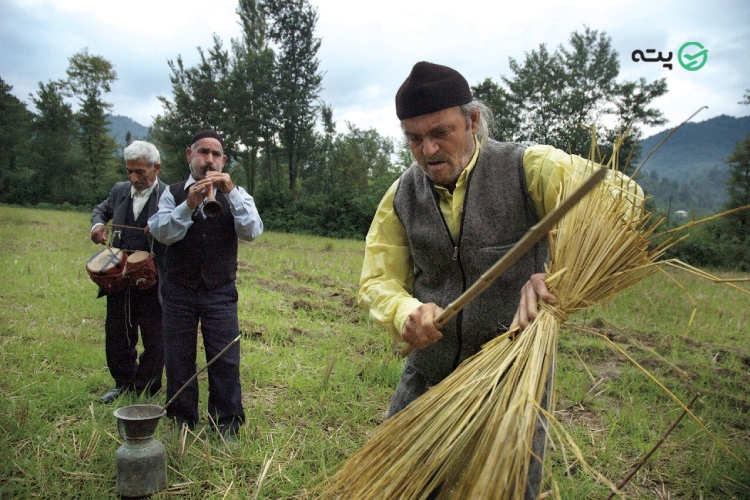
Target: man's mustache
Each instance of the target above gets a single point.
(205, 168)
(435, 159)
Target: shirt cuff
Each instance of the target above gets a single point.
(234, 194)
(405, 308)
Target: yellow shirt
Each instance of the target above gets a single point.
(387, 278)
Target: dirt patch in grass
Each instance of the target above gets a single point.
(328, 310)
(284, 287)
(246, 267)
(576, 415)
(251, 330)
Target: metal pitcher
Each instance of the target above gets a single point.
(141, 460)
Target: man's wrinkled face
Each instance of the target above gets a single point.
(206, 154)
(141, 174)
(442, 142)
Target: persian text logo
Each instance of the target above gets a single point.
(692, 56)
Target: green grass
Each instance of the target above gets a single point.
(317, 377)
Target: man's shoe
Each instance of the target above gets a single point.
(112, 394)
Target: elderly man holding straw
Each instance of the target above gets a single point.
(465, 201)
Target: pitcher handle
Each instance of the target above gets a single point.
(119, 429)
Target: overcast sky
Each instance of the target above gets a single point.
(368, 48)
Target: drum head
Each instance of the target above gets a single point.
(108, 261)
(138, 256)
(105, 268)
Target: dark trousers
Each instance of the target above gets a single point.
(216, 311)
(129, 311)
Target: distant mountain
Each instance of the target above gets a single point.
(121, 125)
(695, 147)
(688, 171)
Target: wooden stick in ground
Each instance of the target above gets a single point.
(199, 371)
(656, 446)
(531, 238)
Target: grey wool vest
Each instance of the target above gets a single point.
(496, 214)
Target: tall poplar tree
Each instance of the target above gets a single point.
(57, 155)
(291, 25)
(317, 176)
(89, 77)
(199, 100)
(252, 101)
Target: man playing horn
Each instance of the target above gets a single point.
(199, 282)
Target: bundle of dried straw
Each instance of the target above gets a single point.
(472, 433)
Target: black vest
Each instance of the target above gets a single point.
(497, 212)
(207, 255)
(133, 239)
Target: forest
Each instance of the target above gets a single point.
(262, 93)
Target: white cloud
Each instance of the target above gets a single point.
(369, 48)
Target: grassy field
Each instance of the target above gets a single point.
(317, 377)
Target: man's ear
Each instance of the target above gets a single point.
(474, 117)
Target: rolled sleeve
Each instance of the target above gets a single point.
(387, 278)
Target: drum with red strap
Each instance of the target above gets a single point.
(140, 269)
(106, 269)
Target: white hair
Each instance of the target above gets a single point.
(486, 119)
(142, 150)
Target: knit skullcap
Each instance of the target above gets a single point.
(429, 88)
(207, 133)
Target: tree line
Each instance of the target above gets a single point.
(57, 156)
(262, 93)
(702, 194)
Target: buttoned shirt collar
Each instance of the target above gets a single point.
(140, 198)
(146, 192)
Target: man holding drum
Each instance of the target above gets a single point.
(200, 220)
(137, 306)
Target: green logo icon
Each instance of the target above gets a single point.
(692, 56)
